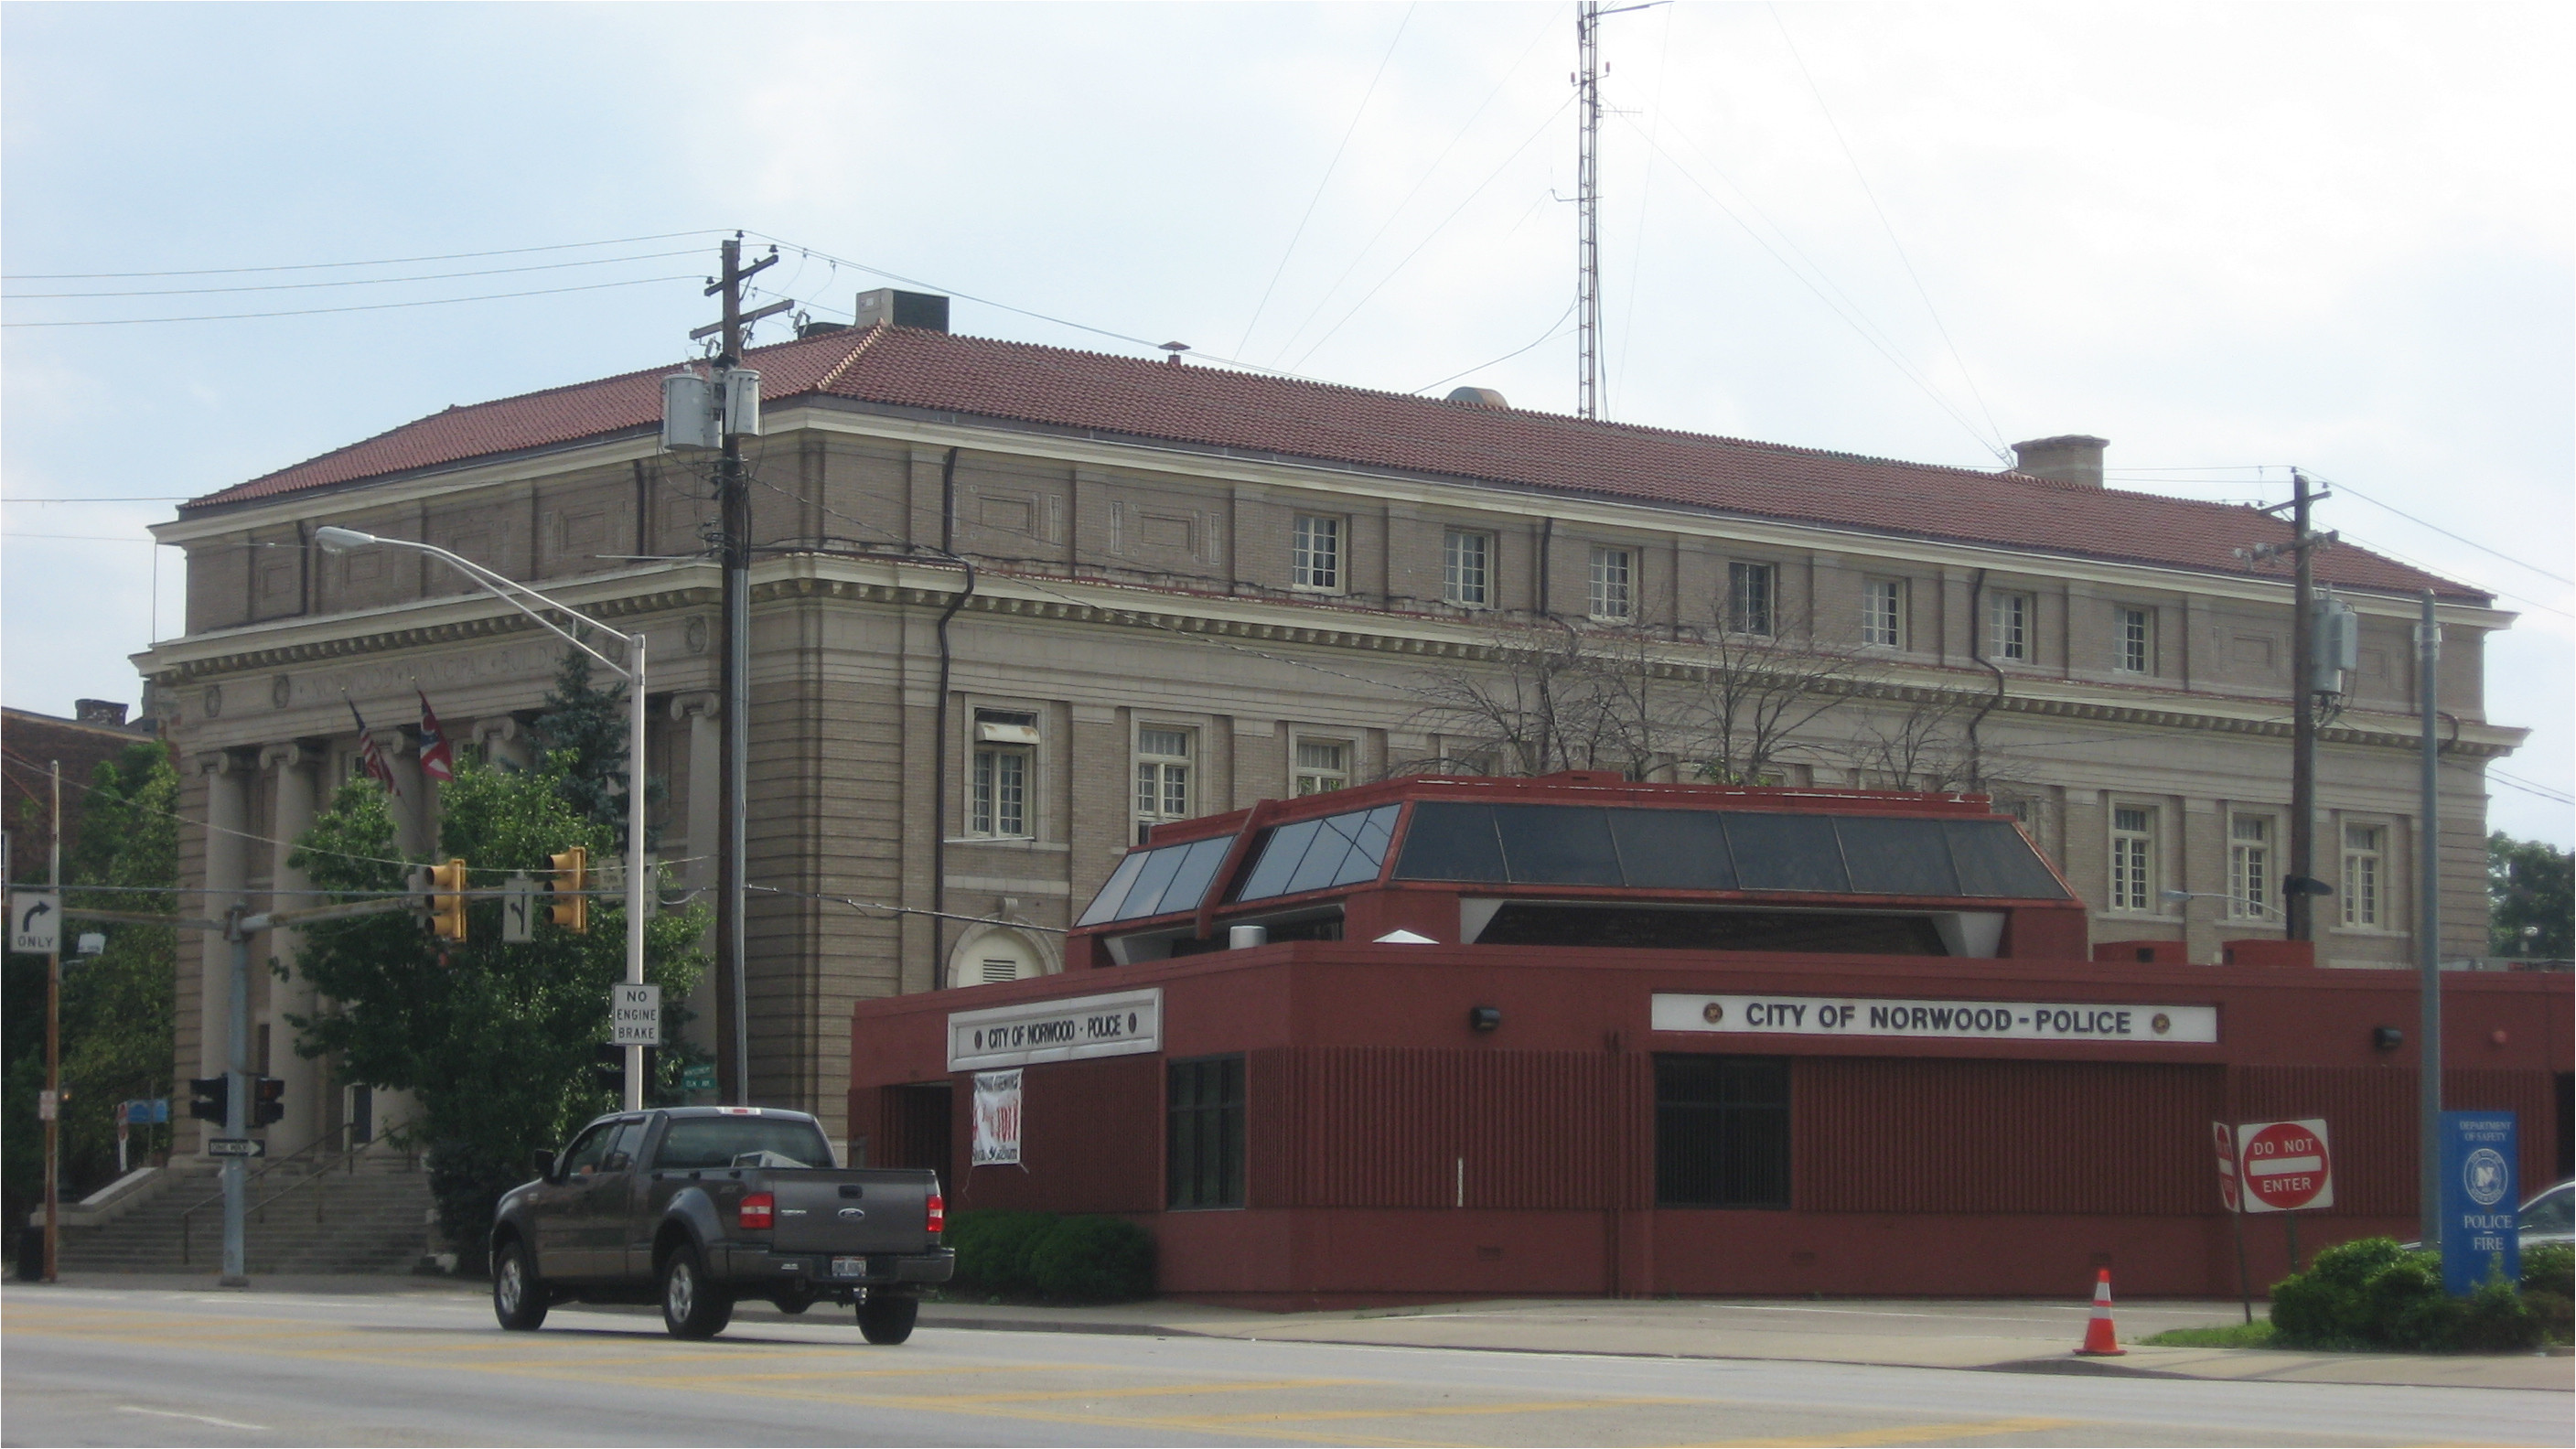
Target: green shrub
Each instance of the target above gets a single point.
(1093, 1259)
(993, 1247)
(2549, 1289)
(2374, 1294)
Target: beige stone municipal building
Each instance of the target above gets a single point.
(1195, 588)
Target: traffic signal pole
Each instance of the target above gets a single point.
(237, 1078)
(636, 884)
(54, 1052)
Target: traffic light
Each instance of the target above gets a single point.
(566, 882)
(210, 1098)
(268, 1101)
(447, 901)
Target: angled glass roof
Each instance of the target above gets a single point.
(1722, 850)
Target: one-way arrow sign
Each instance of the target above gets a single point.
(35, 922)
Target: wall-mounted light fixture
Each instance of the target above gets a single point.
(2387, 1038)
(1485, 1018)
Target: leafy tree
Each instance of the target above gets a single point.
(497, 1042)
(2533, 908)
(118, 1008)
(588, 728)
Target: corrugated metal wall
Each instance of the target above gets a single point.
(1920, 1135)
(1380, 1127)
(2370, 1121)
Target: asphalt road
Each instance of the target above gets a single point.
(118, 1366)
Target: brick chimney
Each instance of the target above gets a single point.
(2072, 458)
(99, 712)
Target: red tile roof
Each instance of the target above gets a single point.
(1212, 407)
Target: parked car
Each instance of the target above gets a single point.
(700, 1207)
(2549, 1217)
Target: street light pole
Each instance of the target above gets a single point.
(334, 539)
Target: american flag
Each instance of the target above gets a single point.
(437, 761)
(371, 757)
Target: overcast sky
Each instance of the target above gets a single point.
(2230, 239)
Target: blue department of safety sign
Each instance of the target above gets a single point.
(2480, 1197)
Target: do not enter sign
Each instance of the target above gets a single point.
(2285, 1166)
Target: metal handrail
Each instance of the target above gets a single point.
(346, 1155)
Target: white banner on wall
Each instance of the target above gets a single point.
(1063, 1030)
(2155, 1023)
(997, 1118)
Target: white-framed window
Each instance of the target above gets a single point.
(2134, 647)
(2249, 868)
(1751, 591)
(1613, 595)
(1315, 557)
(999, 773)
(1321, 765)
(1467, 568)
(2008, 626)
(1163, 776)
(1882, 613)
(2133, 858)
(2365, 851)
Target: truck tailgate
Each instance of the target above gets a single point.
(851, 1212)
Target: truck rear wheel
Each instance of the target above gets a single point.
(888, 1317)
(692, 1305)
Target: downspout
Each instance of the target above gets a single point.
(939, 749)
(1977, 651)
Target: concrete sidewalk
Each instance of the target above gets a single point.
(2000, 1335)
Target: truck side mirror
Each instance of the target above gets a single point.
(545, 1165)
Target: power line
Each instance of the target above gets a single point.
(367, 307)
(143, 498)
(1419, 182)
(347, 282)
(1888, 226)
(380, 262)
(1326, 180)
(1552, 333)
(2446, 533)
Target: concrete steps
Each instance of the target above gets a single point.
(373, 1220)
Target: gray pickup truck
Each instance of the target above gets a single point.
(701, 1207)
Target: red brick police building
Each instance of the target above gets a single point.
(1577, 1035)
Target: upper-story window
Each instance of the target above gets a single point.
(2249, 867)
(1321, 765)
(2364, 848)
(2133, 858)
(1467, 568)
(1315, 559)
(2134, 648)
(997, 791)
(1752, 590)
(1163, 777)
(1882, 613)
(1614, 585)
(2008, 626)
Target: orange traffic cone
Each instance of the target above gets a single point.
(2100, 1340)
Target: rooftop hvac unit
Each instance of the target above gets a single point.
(742, 403)
(689, 412)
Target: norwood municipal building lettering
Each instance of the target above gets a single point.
(1981, 1020)
(1112, 1025)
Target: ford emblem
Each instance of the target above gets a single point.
(853, 1213)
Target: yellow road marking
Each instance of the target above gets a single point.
(1903, 1434)
(1542, 1406)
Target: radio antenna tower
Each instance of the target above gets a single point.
(1587, 184)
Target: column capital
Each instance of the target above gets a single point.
(227, 762)
(292, 755)
(697, 704)
(504, 727)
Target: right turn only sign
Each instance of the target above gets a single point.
(2285, 1166)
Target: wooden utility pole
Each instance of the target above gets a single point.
(733, 499)
(2299, 884)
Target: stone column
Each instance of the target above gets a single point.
(702, 795)
(308, 1112)
(504, 741)
(228, 779)
(415, 813)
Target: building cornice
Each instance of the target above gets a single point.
(1218, 619)
(885, 424)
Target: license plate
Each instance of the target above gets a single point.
(849, 1267)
